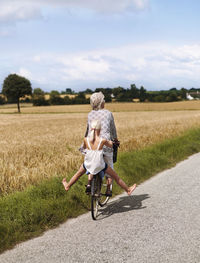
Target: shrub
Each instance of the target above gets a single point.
(2, 100)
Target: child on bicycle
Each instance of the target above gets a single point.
(94, 162)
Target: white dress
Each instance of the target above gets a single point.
(94, 162)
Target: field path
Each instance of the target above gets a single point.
(160, 222)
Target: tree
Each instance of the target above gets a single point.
(16, 87)
(124, 96)
(80, 99)
(173, 89)
(67, 100)
(39, 98)
(54, 93)
(108, 97)
(38, 92)
(134, 91)
(183, 93)
(69, 91)
(116, 91)
(142, 94)
(173, 96)
(88, 91)
(159, 98)
(2, 100)
(55, 98)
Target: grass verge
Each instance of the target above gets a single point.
(27, 214)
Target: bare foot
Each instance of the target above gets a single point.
(65, 184)
(131, 189)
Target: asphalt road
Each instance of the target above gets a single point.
(160, 222)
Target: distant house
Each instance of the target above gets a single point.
(193, 95)
(189, 97)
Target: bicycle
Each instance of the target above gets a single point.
(98, 187)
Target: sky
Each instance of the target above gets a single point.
(81, 44)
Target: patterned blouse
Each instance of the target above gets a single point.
(108, 129)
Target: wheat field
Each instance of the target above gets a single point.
(114, 107)
(40, 145)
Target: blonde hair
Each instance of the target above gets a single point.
(95, 125)
(96, 100)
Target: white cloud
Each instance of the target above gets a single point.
(37, 58)
(25, 73)
(19, 10)
(160, 66)
(84, 67)
(108, 6)
(154, 65)
(11, 11)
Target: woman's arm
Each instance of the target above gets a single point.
(84, 143)
(108, 143)
(87, 130)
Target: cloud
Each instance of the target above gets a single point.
(154, 65)
(12, 11)
(158, 65)
(37, 58)
(24, 73)
(21, 10)
(108, 6)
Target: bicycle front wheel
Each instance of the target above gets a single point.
(95, 191)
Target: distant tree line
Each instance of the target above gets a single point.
(15, 88)
(133, 93)
(118, 94)
(55, 98)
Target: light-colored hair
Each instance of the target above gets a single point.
(95, 125)
(96, 100)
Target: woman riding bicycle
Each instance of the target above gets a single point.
(94, 161)
(108, 130)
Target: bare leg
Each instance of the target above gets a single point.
(119, 181)
(90, 176)
(109, 186)
(109, 160)
(73, 180)
(88, 186)
(108, 181)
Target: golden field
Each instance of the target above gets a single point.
(44, 141)
(114, 107)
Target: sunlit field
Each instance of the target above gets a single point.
(114, 107)
(40, 145)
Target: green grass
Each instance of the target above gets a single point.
(26, 214)
(141, 165)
